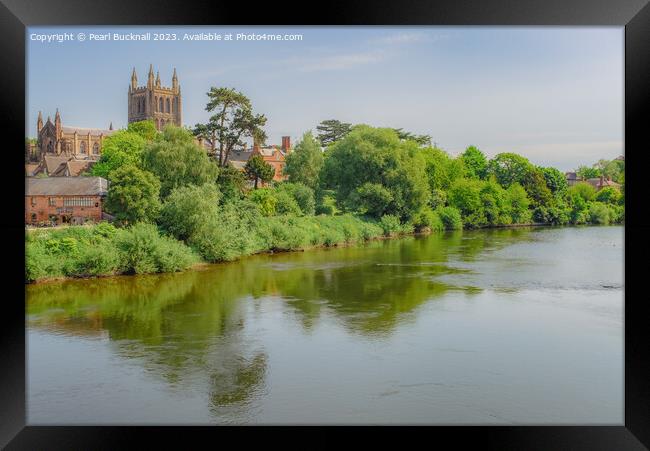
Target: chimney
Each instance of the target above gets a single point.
(286, 144)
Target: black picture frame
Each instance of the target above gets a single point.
(634, 15)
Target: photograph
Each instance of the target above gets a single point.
(325, 225)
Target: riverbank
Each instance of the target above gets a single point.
(103, 250)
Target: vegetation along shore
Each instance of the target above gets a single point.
(176, 205)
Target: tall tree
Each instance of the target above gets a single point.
(178, 161)
(233, 121)
(423, 140)
(475, 162)
(133, 195)
(332, 130)
(304, 163)
(259, 170)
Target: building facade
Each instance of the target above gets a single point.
(55, 139)
(64, 200)
(154, 101)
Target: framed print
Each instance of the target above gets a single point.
(413, 214)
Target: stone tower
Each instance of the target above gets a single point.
(156, 102)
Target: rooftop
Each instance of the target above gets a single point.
(66, 186)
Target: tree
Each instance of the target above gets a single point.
(232, 122)
(177, 160)
(465, 195)
(475, 162)
(303, 195)
(509, 168)
(377, 156)
(332, 130)
(231, 182)
(608, 195)
(583, 190)
(555, 180)
(133, 195)
(187, 208)
(304, 163)
(423, 140)
(146, 129)
(259, 170)
(373, 199)
(441, 168)
(585, 172)
(123, 147)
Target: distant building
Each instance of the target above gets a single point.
(59, 166)
(55, 139)
(602, 182)
(64, 200)
(273, 155)
(155, 102)
(571, 178)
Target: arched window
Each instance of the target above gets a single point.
(175, 104)
(168, 106)
(160, 105)
(96, 149)
(82, 147)
(155, 103)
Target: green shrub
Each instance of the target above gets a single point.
(427, 219)
(265, 200)
(450, 217)
(187, 207)
(286, 204)
(303, 195)
(608, 195)
(599, 213)
(584, 190)
(390, 224)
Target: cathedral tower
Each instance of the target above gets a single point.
(155, 102)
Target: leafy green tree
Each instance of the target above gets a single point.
(231, 182)
(441, 169)
(376, 155)
(133, 195)
(146, 129)
(286, 204)
(265, 199)
(519, 203)
(584, 190)
(303, 195)
(496, 205)
(555, 180)
(233, 121)
(122, 148)
(177, 160)
(450, 217)
(331, 130)
(187, 208)
(509, 168)
(599, 213)
(585, 172)
(257, 169)
(373, 199)
(465, 195)
(474, 162)
(304, 163)
(608, 195)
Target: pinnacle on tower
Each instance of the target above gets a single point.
(110, 127)
(57, 116)
(39, 122)
(150, 77)
(157, 79)
(174, 80)
(134, 79)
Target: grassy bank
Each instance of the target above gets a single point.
(103, 250)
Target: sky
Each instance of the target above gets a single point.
(551, 94)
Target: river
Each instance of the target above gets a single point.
(508, 326)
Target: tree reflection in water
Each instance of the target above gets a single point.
(192, 325)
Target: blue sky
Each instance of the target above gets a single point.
(552, 94)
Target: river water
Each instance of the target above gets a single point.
(510, 326)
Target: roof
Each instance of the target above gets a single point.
(571, 176)
(85, 131)
(240, 155)
(73, 168)
(596, 183)
(237, 164)
(66, 186)
(52, 162)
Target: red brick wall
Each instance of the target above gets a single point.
(40, 206)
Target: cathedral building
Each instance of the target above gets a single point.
(55, 139)
(154, 101)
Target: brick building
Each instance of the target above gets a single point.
(273, 155)
(64, 200)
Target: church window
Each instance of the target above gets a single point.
(82, 147)
(168, 106)
(96, 149)
(160, 105)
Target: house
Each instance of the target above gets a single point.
(571, 178)
(64, 200)
(602, 182)
(273, 155)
